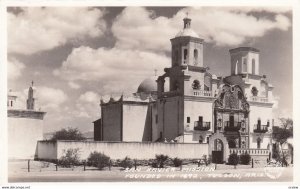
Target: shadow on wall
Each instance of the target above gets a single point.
(147, 126)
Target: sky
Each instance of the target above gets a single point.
(77, 55)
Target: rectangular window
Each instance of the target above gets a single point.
(156, 118)
(188, 119)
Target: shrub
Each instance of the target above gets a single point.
(70, 157)
(99, 160)
(160, 160)
(68, 134)
(245, 159)
(177, 162)
(126, 163)
(233, 159)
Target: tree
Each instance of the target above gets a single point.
(280, 135)
(68, 134)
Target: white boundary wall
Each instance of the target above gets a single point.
(119, 150)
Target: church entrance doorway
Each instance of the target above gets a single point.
(217, 152)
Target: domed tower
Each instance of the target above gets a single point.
(187, 46)
(183, 109)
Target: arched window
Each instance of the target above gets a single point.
(258, 143)
(185, 54)
(245, 65)
(207, 83)
(254, 91)
(195, 56)
(253, 66)
(196, 85)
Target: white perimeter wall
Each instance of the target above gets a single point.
(119, 150)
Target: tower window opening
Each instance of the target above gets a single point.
(185, 54)
(253, 66)
(245, 65)
(188, 120)
(195, 56)
(11, 103)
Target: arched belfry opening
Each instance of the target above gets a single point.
(195, 56)
(253, 66)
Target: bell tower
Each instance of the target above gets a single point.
(187, 47)
(244, 60)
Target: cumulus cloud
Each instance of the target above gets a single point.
(87, 105)
(118, 69)
(222, 26)
(14, 69)
(73, 85)
(89, 96)
(270, 9)
(37, 29)
(50, 97)
(143, 31)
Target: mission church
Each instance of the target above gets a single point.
(188, 104)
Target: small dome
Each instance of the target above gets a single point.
(187, 32)
(148, 85)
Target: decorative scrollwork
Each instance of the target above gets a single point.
(231, 97)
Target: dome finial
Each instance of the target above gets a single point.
(187, 21)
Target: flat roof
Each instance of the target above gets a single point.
(243, 49)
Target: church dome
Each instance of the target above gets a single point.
(187, 32)
(148, 85)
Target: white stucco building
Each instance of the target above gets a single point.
(25, 126)
(188, 104)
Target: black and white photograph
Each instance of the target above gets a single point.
(199, 94)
